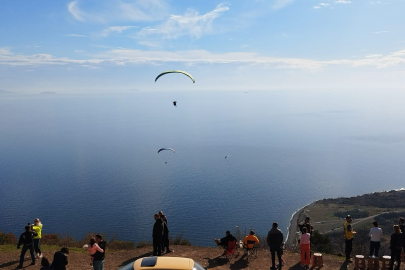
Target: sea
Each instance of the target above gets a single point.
(89, 162)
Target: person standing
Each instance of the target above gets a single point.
(98, 261)
(157, 235)
(306, 224)
(26, 239)
(402, 228)
(275, 241)
(60, 259)
(38, 228)
(165, 237)
(349, 232)
(396, 247)
(375, 238)
(305, 248)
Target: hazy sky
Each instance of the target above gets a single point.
(121, 45)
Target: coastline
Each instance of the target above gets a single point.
(291, 238)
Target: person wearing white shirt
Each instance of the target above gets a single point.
(375, 238)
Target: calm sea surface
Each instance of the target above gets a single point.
(89, 163)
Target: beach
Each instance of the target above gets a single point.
(292, 235)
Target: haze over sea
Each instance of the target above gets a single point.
(89, 163)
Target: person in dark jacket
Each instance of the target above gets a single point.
(402, 228)
(165, 239)
(396, 247)
(157, 235)
(27, 240)
(224, 240)
(98, 261)
(60, 259)
(275, 241)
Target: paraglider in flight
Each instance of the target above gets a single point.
(175, 71)
(175, 103)
(226, 157)
(161, 149)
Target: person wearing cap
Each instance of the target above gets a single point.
(305, 224)
(375, 238)
(349, 232)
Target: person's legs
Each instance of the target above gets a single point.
(398, 258)
(36, 246)
(273, 257)
(98, 265)
(307, 254)
(348, 248)
(376, 249)
(31, 247)
(278, 250)
(302, 255)
(23, 251)
(371, 248)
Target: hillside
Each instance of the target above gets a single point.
(207, 256)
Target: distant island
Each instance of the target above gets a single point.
(328, 215)
(4, 91)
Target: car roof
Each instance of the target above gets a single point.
(167, 263)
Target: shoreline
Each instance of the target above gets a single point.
(291, 238)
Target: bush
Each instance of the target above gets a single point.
(321, 242)
(4, 239)
(178, 240)
(143, 244)
(119, 245)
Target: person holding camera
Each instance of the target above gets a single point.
(38, 228)
(27, 240)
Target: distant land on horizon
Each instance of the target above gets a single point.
(47, 93)
(4, 91)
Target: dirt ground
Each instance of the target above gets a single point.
(209, 257)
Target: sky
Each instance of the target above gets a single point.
(122, 45)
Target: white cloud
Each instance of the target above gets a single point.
(75, 35)
(380, 32)
(281, 3)
(324, 4)
(119, 10)
(143, 10)
(115, 29)
(343, 2)
(194, 57)
(316, 7)
(74, 10)
(191, 23)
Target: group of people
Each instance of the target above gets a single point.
(160, 235)
(30, 240)
(275, 241)
(397, 241)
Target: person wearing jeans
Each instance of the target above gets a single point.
(375, 238)
(98, 261)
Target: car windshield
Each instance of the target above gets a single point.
(198, 266)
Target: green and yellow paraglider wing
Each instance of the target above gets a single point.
(175, 71)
